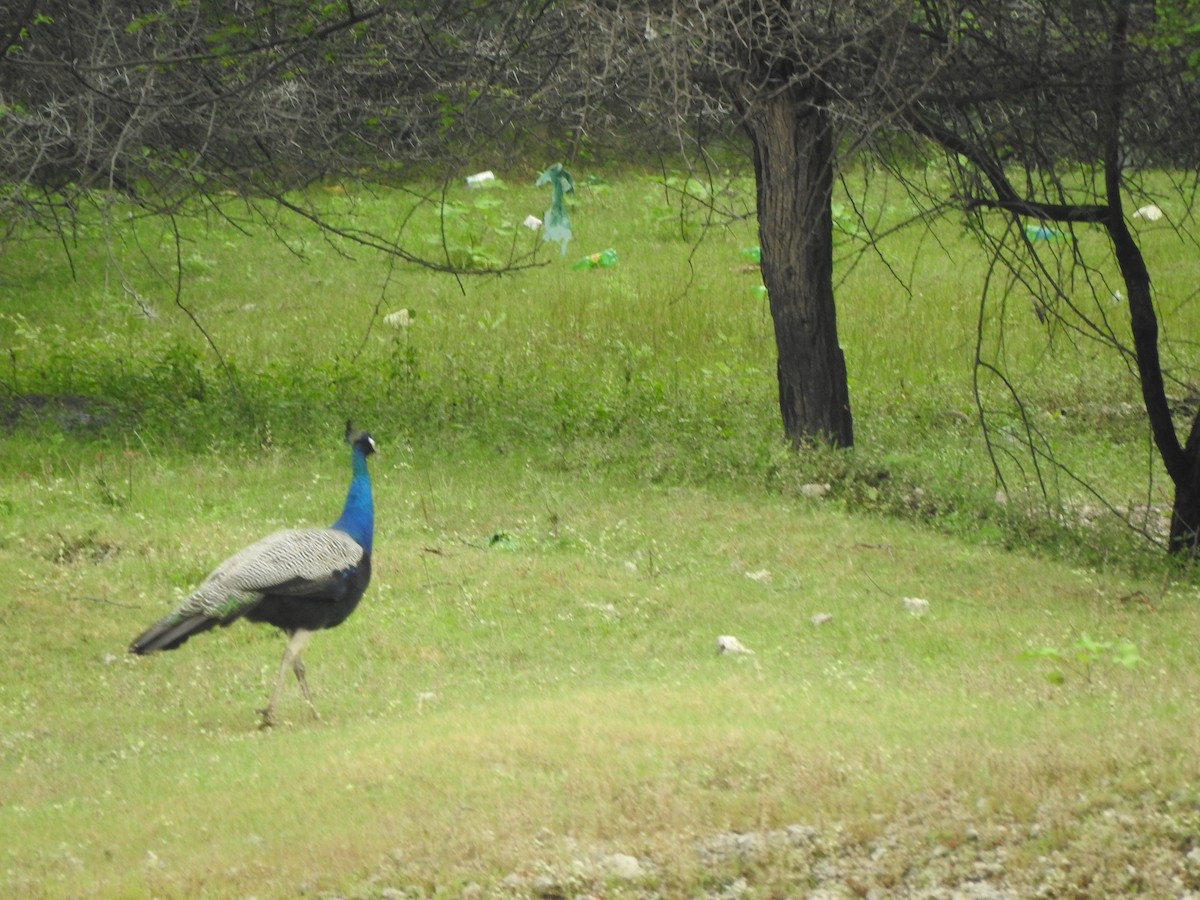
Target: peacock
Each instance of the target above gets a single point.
(300, 580)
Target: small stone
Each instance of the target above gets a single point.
(918, 606)
(623, 866)
(801, 834)
(814, 491)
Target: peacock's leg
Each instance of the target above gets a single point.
(297, 641)
(298, 668)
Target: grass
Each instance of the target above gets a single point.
(534, 672)
(663, 364)
(580, 487)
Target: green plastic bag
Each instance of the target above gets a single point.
(556, 226)
(605, 258)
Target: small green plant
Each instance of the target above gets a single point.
(1084, 655)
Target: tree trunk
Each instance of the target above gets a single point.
(1182, 461)
(1185, 512)
(1185, 524)
(793, 163)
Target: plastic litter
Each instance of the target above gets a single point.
(727, 643)
(1043, 233)
(604, 258)
(479, 179)
(401, 318)
(557, 225)
(754, 254)
(533, 223)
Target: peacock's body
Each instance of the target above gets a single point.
(300, 580)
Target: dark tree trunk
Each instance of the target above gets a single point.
(1185, 523)
(793, 164)
(1185, 513)
(1182, 462)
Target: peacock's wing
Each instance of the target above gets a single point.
(301, 562)
(308, 562)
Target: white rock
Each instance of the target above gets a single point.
(1151, 213)
(814, 491)
(623, 866)
(916, 605)
(727, 643)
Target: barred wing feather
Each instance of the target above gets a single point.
(305, 563)
(298, 562)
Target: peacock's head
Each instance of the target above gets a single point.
(361, 440)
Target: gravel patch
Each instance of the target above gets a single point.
(1081, 849)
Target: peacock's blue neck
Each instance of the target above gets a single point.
(358, 515)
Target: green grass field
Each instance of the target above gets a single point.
(580, 486)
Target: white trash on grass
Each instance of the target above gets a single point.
(727, 643)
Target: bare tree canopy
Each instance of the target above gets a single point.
(806, 83)
(1055, 113)
(1047, 113)
(171, 102)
